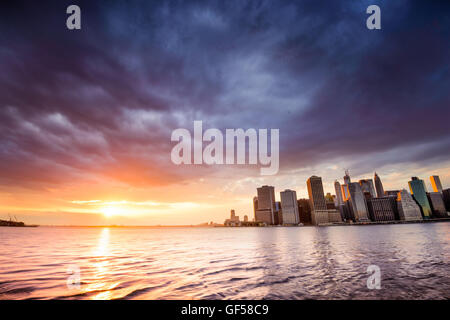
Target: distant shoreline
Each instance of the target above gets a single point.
(270, 226)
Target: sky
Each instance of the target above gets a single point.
(86, 115)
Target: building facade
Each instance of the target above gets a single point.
(337, 189)
(266, 205)
(367, 187)
(408, 209)
(319, 212)
(436, 184)
(446, 196)
(437, 204)
(289, 207)
(383, 209)
(357, 202)
(419, 193)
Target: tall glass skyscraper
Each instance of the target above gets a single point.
(419, 192)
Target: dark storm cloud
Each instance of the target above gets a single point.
(105, 99)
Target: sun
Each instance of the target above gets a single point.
(110, 211)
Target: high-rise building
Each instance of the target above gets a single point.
(368, 188)
(436, 184)
(419, 192)
(245, 218)
(337, 189)
(304, 211)
(437, 204)
(446, 196)
(383, 209)
(319, 212)
(266, 205)
(378, 186)
(357, 202)
(289, 207)
(347, 177)
(255, 207)
(278, 214)
(408, 209)
(344, 192)
(392, 193)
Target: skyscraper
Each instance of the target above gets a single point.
(378, 186)
(383, 209)
(408, 209)
(289, 207)
(357, 202)
(319, 213)
(304, 210)
(367, 187)
(419, 192)
(347, 177)
(436, 184)
(337, 189)
(437, 204)
(266, 205)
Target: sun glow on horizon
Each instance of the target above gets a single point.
(110, 211)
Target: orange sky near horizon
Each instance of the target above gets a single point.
(108, 201)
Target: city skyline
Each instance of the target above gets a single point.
(86, 115)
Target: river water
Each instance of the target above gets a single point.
(225, 263)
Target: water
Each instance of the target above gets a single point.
(226, 263)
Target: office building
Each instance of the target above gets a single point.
(338, 190)
(437, 205)
(408, 209)
(446, 196)
(266, 205)
(383, 209)
(304, 211)
(436, 184)
(319, 212)
(419, 193)
(368, 188)
(357, 202)
(289, 207)
(378, 186)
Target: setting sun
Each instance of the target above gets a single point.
(110, 211)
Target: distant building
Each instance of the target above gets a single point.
(278, 213)
(383, 209)
(233, 221)
(368, 188)
(392, 193)
(436, 184)
(408, 209)
(446, 196)
(437, 205)
(255, 207)
(266, 205)
(330, 201)
(320, 214)
(304, 211)
(357, 202)
(289, 207)
(347, 177)
(344, 192)
(419, 192)
(378, 186)
(245, 218)
(337, 189)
